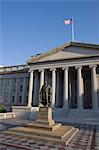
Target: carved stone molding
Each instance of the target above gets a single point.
(65, 68)
(41, 70)
(52, 69)
(78, 67)
(93, 66)
(31, 70)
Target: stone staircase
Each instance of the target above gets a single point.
(84, 139)
(45, 128)
(61, 135)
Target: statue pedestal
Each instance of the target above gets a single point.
(45, 121)
(45, 116)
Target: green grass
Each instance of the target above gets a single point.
(2, 109)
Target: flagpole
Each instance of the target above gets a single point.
(72, 30)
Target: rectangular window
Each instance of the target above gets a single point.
(21, 87)
(13, 99)
(14, 89)
(6, 101)
(21, 80)
(8, 82)
(15, 80)
(20, 99)
(26, 100)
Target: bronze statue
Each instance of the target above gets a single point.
(45, 95)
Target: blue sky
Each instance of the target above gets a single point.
(28, 27)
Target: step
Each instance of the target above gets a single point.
(46, 122)
(36, 138)
(68, 137)
(58, 134)
(66, 140)
(42, 126)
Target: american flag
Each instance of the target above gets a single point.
(68, 21)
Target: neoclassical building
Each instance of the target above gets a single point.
(71, 69)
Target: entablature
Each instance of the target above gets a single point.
(65, 63)
(11, 69)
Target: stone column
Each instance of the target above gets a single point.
(53, 86)
(30, 89)
(79, 88)
(94, 87)
(57, 90)
(65, 88)
(41, 78)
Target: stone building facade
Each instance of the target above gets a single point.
(71, 69)
(14, 85)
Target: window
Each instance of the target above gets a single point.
(8, 82)
(13, 88)
(14, 80)
(21, 80)
(20, 99)
(13, 99)
(26, 100)
(21, 87)
(6, 101)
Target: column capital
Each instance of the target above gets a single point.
(93, 66)
(52, 69)
(78, 67)
(65, 68)
(30, 70)
(40, 70)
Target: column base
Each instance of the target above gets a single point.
(65, 107)
(80, 108)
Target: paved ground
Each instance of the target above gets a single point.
(97, 139)
(86, 138)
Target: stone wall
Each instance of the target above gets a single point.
(14, 89)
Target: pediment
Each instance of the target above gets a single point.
(66, 52)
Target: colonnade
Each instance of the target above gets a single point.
(65, 86)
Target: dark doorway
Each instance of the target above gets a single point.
(87, 88)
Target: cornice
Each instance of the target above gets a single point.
(60, 48)
(14, 69)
